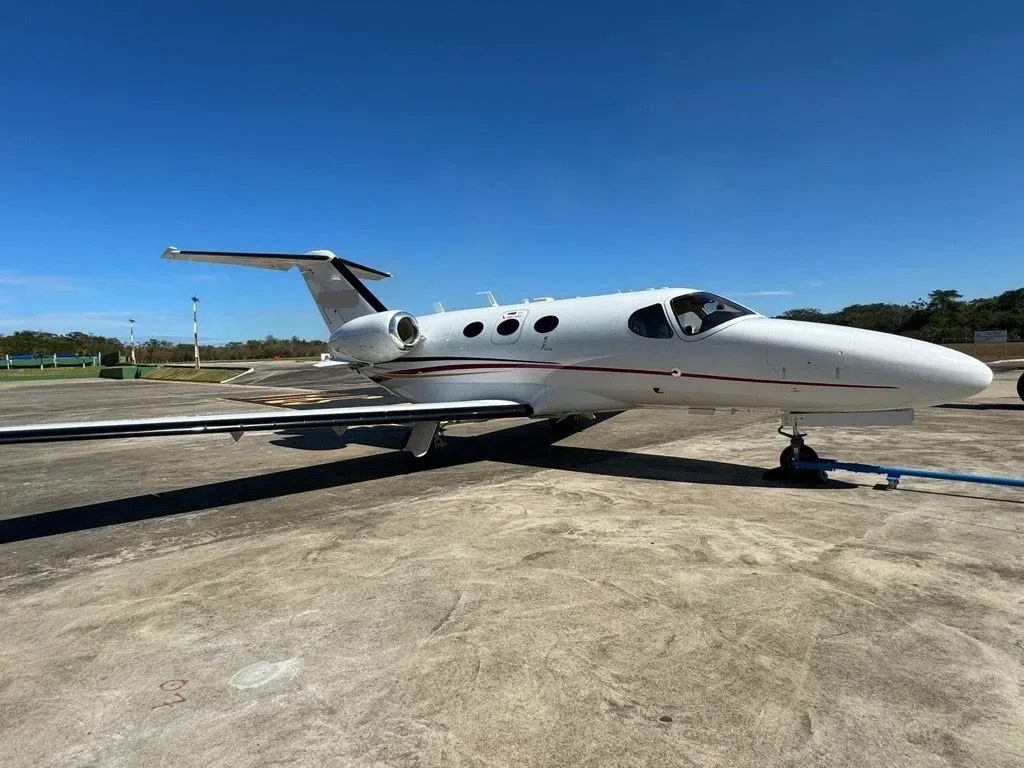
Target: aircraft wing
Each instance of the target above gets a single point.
(237, 423)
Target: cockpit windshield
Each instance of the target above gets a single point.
(700, 312)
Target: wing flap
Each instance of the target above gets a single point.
(402, 413)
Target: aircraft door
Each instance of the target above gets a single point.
(509, 326)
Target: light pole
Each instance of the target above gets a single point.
(131, 331)
(195, 329)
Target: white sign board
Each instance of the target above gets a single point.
(990, 337)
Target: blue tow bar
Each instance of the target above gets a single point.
(893, 474)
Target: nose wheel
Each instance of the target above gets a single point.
(791, 454)
(799, 451)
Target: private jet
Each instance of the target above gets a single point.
(568, 360)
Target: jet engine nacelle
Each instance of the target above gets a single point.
(377, 338)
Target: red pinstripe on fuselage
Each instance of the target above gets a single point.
(484, 364)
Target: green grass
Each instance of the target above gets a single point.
(46, 374)
(212, 375)
(1014, 350)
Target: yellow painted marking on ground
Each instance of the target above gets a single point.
(315, 399)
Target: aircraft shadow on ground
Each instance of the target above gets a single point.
(523, 445)
(390, 437)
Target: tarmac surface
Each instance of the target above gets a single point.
(634, 595)
(299, 375)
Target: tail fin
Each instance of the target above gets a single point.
(333, 282)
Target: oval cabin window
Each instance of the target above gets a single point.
(508, 327)
(546, 324)
(473, 329)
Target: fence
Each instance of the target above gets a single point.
(59, 360)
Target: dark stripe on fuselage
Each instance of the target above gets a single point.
(499, 363)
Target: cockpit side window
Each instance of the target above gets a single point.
(651, 322)
(700, 312)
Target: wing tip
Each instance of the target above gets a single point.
(368, 273)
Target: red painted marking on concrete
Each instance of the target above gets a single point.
(175, 686)
(181, 699)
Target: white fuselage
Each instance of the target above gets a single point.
(593, 361)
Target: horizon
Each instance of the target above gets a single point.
(786, 156)
(222, 341)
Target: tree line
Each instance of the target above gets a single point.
(157, 350)
(944, 318)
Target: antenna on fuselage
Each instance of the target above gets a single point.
(490, 297)
(438, 307)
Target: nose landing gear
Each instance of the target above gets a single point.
(798, 451)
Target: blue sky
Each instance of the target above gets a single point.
(792, 154)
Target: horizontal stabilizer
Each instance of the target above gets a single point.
(403, 413)
(334, 283)
(279, 261)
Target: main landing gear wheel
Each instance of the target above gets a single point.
(1020, 387)
(422, 447)
(565, 426)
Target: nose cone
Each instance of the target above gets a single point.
(939, 375)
